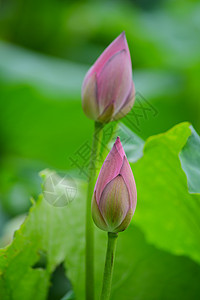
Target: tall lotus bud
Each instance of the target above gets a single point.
(115, 196)
(108, 90)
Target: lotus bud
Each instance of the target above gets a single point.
(108, 90)
(115, 196)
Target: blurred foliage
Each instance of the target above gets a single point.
(45, 49)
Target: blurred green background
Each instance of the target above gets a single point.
(46, 48)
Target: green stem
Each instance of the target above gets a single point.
(108, 270)
(89, 232)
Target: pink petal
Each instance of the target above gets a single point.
(114, 202)
(127, 106)
(125, 222)
(117, 45)
(110, 169)
(114, 81)
(127, 175)
(119, 147)
(97, 216)
(107, 114)
(89, 98)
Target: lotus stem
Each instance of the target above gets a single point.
(89, 232)
(109, 264)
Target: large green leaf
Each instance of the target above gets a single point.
(166, 212)
(47, 229)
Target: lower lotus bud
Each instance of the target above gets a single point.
(115, 194)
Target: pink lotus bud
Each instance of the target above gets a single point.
(115, 196)
(108, 90)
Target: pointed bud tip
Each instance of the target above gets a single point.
(122, 37)
(118, 142)
(119, 147)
